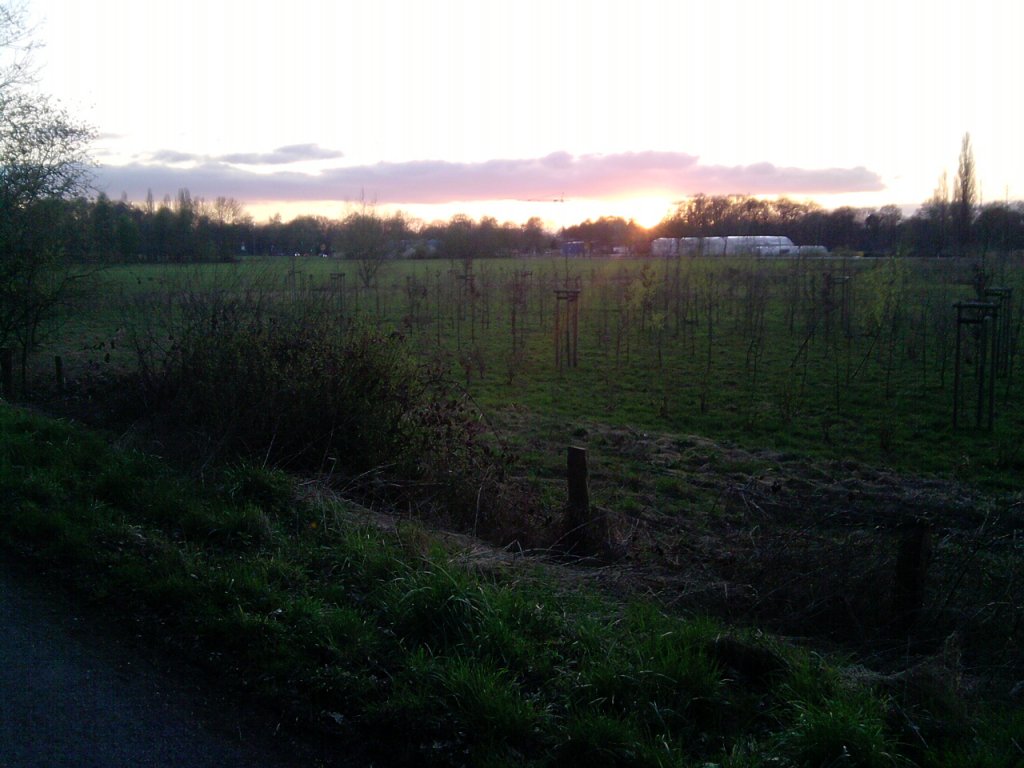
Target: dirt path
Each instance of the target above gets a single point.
(73, 695)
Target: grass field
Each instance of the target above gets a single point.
(836, 358)
(765, 438)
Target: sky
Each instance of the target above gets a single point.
(562, 109)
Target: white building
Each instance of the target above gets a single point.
(735, 245)
(664, 246)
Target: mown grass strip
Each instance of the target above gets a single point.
(385, 635)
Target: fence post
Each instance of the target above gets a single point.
(579, 493)
(58, 372)
(912, 557)
(587, 531)
(7, 373)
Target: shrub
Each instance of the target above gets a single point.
(290, 386)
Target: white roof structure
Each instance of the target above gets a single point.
(733, 245)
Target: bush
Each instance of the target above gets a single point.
(289, 386)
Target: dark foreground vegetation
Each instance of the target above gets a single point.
(441, 653)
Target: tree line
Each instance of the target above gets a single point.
(931, 231)
(184, 228)
(950, 223)
(189, 229)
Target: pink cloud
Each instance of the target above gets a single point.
(559, 174)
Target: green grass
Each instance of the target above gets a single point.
(393, 635)
(788, 455)
(397, 637)
(850, 731)
(783, 375)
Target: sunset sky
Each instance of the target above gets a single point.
(503, 107)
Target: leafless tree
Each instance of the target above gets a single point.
(43, 157)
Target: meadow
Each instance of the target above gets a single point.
(772, 455)
(839, 358)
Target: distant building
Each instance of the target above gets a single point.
(760, 245)
(734, 245)
(574, 248)
(702, 246)
(665, 246)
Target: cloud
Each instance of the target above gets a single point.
(293, 153)
(173, 156)
(592, 176)
(560, 174)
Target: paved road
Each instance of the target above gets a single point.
(72, 695)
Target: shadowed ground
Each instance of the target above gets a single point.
(70, 695)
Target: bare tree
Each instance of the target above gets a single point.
(43, 157)
(364, 239)
(16, 46)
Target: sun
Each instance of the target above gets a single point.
(645, 211)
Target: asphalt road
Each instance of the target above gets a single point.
(74, 694)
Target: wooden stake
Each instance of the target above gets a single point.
(579, 493)
(587, 532)
(7, 373)
(912, 558)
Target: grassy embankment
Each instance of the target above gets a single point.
(403, 639)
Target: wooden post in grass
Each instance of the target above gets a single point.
(587, 529)
(982, 314)
(1003, 299)
(58, 373)
(566, 351)
(991, 332)
(338, 284)
(7, 373)
(579, 493)
(913, 554)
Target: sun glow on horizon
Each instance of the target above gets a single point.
(583, 120)
(556, 213)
